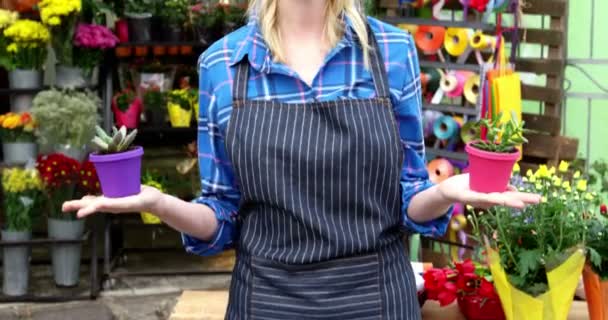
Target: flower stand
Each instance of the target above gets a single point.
(596, 292)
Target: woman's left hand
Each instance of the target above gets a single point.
(456, 189)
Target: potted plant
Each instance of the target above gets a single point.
(66, 121)
(61, 17)
(127, 109)
(155, 181)
(173, 14)
(90, 43)
(469, 283)
(22, 191)
(155, 105)
(18, 140)
(118, 164)
(64, 179)
(491, 160)
(536, 254)
(24, 42)
(179, 106)
(139, 19)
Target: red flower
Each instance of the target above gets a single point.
(486, 289)
(467, 282)
(465, 267)
(479, 5)
(448, 294)
(88, 182)
(604, 209)
(434, 280)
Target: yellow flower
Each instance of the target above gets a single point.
(543, 199)
(542, 172)
(568, 189)
(28, 33)
(557, 182)
(11, 122)
(588, 196)
(12, 48)
(581, 185)
(7, 18)
(54, 21)
(539, 186)
(563, 166)
(566, 184)
(577, 174)
(552, 171)
(529, 173)
(524, 179)
(19, 180)
(516, 168)
(532, 179)
(51, 11)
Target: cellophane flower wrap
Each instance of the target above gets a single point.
(17, 127)
(90, 42)
(26, 43)
(65, 179)
(61, 17)
(179, 106)
(536, 254)
(22, 193)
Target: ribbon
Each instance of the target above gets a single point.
(500, 6)
(457, 225)
(430, 78)
(456, 41)
(453, 83)
(469, 132)
(471, 89)
(480, 41)
(429, 38)
(439, 170)
(445, 128)
(428, 121)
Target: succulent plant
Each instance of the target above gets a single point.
(120, 141)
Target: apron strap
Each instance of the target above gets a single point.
(377, 69)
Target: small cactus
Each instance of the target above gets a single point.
(120, 141)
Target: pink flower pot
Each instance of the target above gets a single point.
(130, 117)
(122, 30)
(489, 171)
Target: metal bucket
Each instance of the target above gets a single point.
(16, 260)
(66, 257)
(18, 152)
(23, 79)
(72, 77)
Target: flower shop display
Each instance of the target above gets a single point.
(18, 140)
(536, 254)
(491, 160)
(127, 108)
(139, 19)
(90, 42)
(118, 164)
(61, 17)
(155, 105)
(25, 44)
(469, 283)
(66, 121)
(154, 181)
(173, 15)
(65, 179)
(22, 192)
(211, 22)
(179, 106)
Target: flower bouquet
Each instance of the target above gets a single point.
(18, 140)
(535, 254)
(468, 282)
(22, 192)
(90, 42)
(65, 179)
(179, 106)
(127, 109)
(61, 17)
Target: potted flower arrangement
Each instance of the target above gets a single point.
(155, 181)
(66, 121)
(18, 140)
(491, 160)
(139, 19)
(469, 283)
(155, 105)
(22, 191)
(173, 14)
(127, 109)
(61, 17)
(90, 42)
(65, 179)
(179, 106)
(118, 164)
(535, 254)
(26, 43)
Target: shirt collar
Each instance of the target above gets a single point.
(254, 47)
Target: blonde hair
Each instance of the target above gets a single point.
(266, 12)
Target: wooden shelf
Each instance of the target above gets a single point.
(440, 23)
(450, 65)
(451, 108)
(446, 154)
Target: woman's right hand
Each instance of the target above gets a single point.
(147, 200)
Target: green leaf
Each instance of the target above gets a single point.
(529, 260)
(595, 257)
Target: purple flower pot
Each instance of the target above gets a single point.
(119, 173)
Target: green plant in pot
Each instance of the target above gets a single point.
(118, 163)
(139, 19)
(22, 193)
(155, 104)
(491, 159)
(173, 14)
(66, 121)
(65, 179)
(127, 109)
(179, 106)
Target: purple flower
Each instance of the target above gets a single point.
(94, 37)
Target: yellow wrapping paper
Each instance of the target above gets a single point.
(149, 218)
(179, 117)
(553, 304)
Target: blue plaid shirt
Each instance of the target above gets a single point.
(342, 76)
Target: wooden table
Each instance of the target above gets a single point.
(211, 305)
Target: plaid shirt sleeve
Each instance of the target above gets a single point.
(217, 177)
(414, 175)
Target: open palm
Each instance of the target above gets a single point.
(456, 188)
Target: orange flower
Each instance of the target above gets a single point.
(26, 118)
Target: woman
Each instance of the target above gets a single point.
(311, 155)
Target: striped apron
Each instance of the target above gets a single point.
(320, 208)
